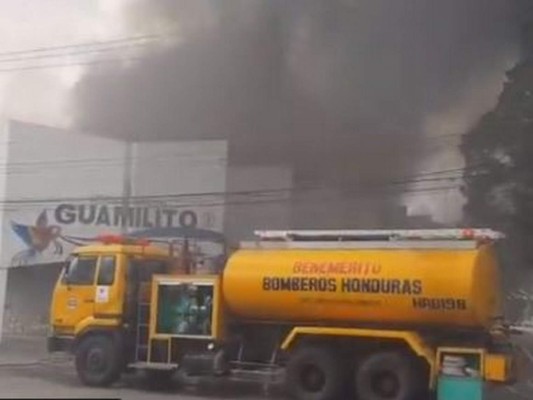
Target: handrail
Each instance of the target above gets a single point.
(379, 235)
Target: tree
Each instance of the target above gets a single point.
(498, 176)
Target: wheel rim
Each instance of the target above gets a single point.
(312, 378)
(386, 384)
(96, 361)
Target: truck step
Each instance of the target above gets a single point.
(153, 365)
(261, 376)
(238, 376)
(253, 365)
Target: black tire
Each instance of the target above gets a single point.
(98, 361)
(389, 376)
(314, 373)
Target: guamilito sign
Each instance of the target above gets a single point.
(130, 217)
(70, 224)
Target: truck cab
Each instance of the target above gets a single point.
(100, 292)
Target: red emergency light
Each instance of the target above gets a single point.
(470, 234)
(122, 240)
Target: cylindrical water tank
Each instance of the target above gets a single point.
(439, 287)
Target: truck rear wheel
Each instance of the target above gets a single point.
(388, 376)
(314, 373)
(98, 361)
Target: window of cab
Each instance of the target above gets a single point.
(106, 271)
(80, 270)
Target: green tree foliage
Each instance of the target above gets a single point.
(498, 176)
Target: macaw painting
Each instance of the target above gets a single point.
(37, 239)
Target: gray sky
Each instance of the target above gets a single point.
(43, 95)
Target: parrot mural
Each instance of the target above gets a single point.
(37, 239)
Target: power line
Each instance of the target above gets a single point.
(142, 197)
(446, 171)
(366, 186)
(116, 161)
(71, 53)
(113, 160)
(446, 135)
(424, 180)
(75, 64)
(86, 44)
(76, 49)
(168, 197)
(433, 176)
(251, 202)
(178, 196)
(425, 177)
(285, 200)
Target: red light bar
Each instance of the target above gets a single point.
(469, 234)
(119, 239)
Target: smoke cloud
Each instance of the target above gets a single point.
(340, 89)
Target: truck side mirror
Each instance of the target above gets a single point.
(66, 277)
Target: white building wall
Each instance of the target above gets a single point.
(59, 187)
(47, 167)
(4, 142)
(191, 174)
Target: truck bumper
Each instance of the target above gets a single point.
(59, 344)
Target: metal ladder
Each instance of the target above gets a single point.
(142, 328)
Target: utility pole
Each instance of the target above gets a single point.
(126, 186)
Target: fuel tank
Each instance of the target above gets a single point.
(390, 287)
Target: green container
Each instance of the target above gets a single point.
(453, 388)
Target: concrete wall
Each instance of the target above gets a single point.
(46, 167)
(28, 297)
(58, 188)
(187, 175)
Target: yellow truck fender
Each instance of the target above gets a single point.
(412, 339)
(91, 323)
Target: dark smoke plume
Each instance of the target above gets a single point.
(337, 88)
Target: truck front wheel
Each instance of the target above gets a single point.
(388, 376)
(314, 373)
(98, 361)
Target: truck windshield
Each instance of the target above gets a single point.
(80, 270)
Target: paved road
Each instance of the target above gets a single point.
(56, 378)
(26, 370)
(59, 381)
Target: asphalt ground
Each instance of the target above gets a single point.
(26, 371)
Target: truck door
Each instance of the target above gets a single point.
(75, 291)
(109, 295)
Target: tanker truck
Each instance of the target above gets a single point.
(367, 315)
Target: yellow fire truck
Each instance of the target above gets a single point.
(368, 315)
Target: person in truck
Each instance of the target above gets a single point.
(187, 312)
